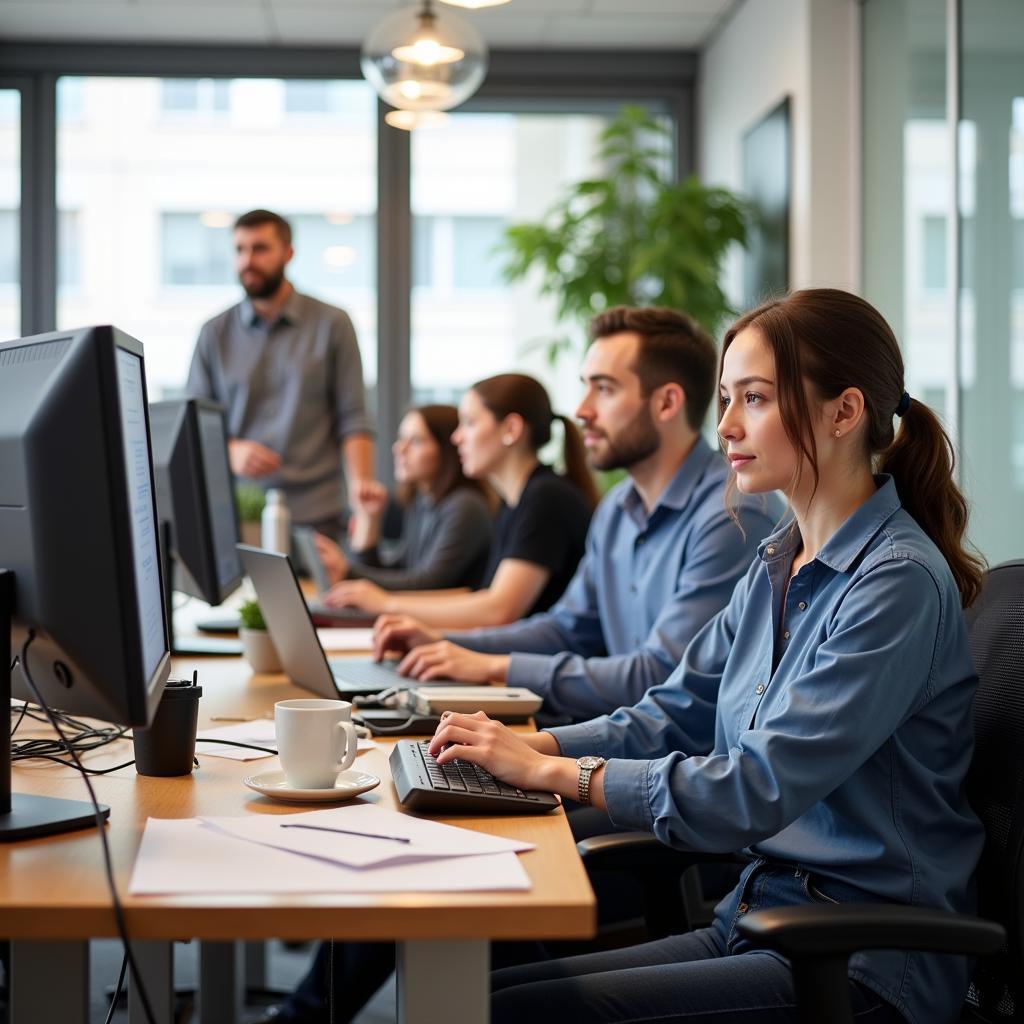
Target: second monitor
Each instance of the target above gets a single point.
(196, 500)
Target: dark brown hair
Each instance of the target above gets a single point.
(834, 340)
(517, 393)
(673, 348)
(254, 218)
(441, 421)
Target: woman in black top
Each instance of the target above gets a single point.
(446, 520)
(542, 520)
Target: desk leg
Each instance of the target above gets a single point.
(49, 981)
(221, 982)
(155, 961)
(428, 974)
(255, 965)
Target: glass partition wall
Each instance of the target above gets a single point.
(943, 222)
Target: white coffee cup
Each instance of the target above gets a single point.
(315, 740)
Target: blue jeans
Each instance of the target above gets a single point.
(709, 976)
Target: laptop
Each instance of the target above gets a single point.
(291, 628)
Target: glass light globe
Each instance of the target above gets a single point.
(424, 58)
(413, 120)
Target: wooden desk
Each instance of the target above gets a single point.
(55, 889)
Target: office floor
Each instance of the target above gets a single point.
(284, 968)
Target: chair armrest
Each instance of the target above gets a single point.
(813, 932)
(639, 851)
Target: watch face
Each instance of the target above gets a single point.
(590, 762)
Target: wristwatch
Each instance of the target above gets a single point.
(587, 766)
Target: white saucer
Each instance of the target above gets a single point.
(349, 783)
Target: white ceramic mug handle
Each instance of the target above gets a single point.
(345, 759)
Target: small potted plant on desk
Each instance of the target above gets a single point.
(257, 645)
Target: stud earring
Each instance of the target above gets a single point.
(836, 434)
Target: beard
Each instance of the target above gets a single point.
(638, 440)
(263, 286)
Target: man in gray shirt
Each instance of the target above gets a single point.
(286, 368)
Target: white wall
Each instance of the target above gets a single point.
(809, 50)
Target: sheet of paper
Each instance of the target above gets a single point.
(327, 834)
(180, 856)
(259, 732)
(360, 639)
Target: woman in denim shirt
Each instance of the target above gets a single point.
(820, 722)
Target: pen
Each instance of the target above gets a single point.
(218, 718)
(347, 832)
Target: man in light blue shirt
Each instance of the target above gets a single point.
(663, 551)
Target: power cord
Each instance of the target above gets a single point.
(117, 991)
(122, 930)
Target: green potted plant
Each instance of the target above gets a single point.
(633, 237)
(257, 646)
(250, 501)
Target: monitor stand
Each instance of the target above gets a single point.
(23, 816)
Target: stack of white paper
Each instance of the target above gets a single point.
(347, 849)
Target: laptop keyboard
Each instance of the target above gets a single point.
(366, 674)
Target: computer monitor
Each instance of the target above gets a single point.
(78, 544)
(195, 499)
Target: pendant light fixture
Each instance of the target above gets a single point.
(424, 58)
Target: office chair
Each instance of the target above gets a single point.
(818, 941)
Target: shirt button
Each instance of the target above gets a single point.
(742, 908)
(785, 636)
(759, 689)
(802, 605)
(770, 550)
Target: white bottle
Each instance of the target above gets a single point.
(275, 523)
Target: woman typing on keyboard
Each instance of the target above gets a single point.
(821, 722)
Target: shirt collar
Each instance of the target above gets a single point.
(847, 543)
(290, 311)
(680, 488)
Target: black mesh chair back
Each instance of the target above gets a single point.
(996, 783)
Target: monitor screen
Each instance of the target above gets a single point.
(220, 493)
(196, 496)
(138, 473)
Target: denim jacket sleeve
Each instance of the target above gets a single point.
(810, 732)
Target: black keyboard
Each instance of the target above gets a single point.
(458, 787)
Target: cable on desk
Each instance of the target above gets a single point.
(122, 929)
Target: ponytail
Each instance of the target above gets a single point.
(921, 460)
(577, 469)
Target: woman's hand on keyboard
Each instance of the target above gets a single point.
(503, 753)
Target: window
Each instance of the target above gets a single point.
(470, 178)
(195, 248)
(933, 248)
(10, 213)
(147, 201)
(476, 264)
(333, 251)
(195, 95)
(8, 247)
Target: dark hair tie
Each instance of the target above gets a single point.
(904, 404)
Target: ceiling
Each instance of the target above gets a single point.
(540, 24)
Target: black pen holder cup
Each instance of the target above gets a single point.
(168, 746)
